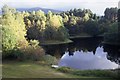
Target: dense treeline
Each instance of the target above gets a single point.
(111, 14)
(84, 22)
(14, 42)
(43, 26)
(77, 22)
(112, 35)
(20, 30)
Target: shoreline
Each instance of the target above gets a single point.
(54, 42)
(109, 43)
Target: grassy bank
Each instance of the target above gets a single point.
(111, 43)
(91, 73)
(55, 42)
(31, 69)
(82, 35)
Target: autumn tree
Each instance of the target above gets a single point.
(13, 30)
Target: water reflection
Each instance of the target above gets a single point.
(87, 60)
(56, 50)
(113, 53)
(88, 44)
(86, 53)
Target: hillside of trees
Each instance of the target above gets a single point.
(23, 31)
(112, 36)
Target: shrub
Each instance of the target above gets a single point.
(65, 69)
(17, 54)
(34, 43)
(33, 51)
(13, 54)
(48, 59)
(12, 25)
(9, 40)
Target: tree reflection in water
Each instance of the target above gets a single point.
(88, 60)
(113, 53)
(86, 45)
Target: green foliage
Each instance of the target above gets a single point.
(52, 27)
(9, 41)
(98, 73)
(80, 12)
(12, 26)
(103, 27)
(86, 17)
(112, 38)
(33, 33)
(92, 73)
(6, 10)
(48, 59)
(63, 34)
(113, 28)
(45, 27)
(73, 20)
(111, 14)
(16, 54)
(33, 51)
(65, 18)
(49, 15)
(112, 35)
(59, 34)
(14, 42)
(65, 69)
(41, 15)
(91, 27)
(49, 33)
(34, 43)
(118, 15)
(79, 21)
(54, 21)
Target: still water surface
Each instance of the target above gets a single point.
(87, 60)
(85, 54)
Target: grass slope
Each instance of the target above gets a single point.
(14, 69)
(30, 69)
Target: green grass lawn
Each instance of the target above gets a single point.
(91, 73)
(14, 69)
(30, 69)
